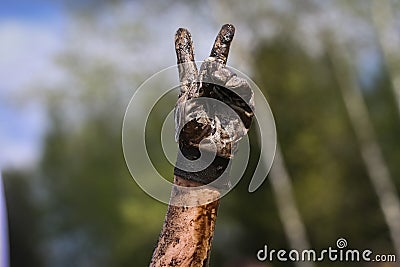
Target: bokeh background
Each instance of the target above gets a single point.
(329, 69)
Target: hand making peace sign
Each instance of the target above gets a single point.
(214, 110)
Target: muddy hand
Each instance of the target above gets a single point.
(215, 106)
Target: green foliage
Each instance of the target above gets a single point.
(90, 191)
(332, 189)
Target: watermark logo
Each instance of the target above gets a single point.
(340, 253)
(139, 143)
(341, 243)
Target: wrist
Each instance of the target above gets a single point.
(200, 169)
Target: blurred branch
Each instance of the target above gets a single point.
(370, 151)
(382, 16)
(290, 217)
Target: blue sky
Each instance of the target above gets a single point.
(31, 35)
(38, 10)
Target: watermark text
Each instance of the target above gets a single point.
(338, 253)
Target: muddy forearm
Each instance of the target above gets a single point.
(187, 233)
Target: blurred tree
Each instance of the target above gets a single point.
(376, 167)
(319, 146)
(96, 214)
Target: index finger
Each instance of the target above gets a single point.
(185, 58)
(222, 43)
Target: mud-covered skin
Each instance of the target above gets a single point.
(186, 65)
(188, 230)
(198, 120)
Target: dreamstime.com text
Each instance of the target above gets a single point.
(339, 253)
